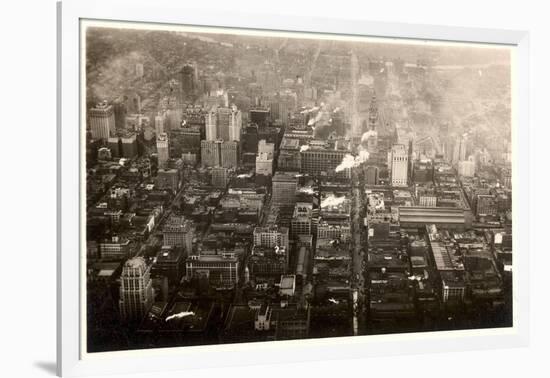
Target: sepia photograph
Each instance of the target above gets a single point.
(249, 186)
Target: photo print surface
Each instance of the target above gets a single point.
(252, 186)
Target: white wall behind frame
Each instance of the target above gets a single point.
(29, 334)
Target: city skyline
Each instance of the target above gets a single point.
(243, 187)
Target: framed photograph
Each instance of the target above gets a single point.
(255, 188)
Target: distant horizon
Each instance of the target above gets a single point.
(189, 236)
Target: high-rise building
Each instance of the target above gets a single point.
(162, 149)
(220, 177)
(160, 121)
(289, 155)
(224, 118)
(423, 171)
(136, 289)
(211, 153)
(399, 165)
(270, 134)
(114, 144)
(115, 248)
(119, 107)
(219, 153)
(373, 114)
(322, 158)
(229, 154)
(250, 139)
(224, 123)
(235, 125)
(301, 219)
(178, 232)
(168, 179)
(173, 119)
(264, 164)
(219, 269)
(266, 148)
(188, 81)
(466, 168)
(284, 187)
(371, 175)
(271, 237)
(259, 116)
(184, 141)
(287, 102)
(102, 121)
(211, 121)
(460, 148)
(129, 145)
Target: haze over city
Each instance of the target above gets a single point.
(247, 188)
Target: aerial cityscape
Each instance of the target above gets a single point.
(259, 186)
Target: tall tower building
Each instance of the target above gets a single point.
(188, 81)
(271, 236)
(459, 152)
(136, 289)
(399, 165)
(224, 120)
(160, 124)
(301, 223)
(371, 175)
(373, 113)
(224, 123)
(463, 147)
(220, 177)
(235, 124)
(102, 121)
(178, 232)
(264, 164)
(162, 149)
(284, 188)
(129, 145)
(210, 153)
(211, 120)
(229, 154)
(266, 148)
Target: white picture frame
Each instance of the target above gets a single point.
(69, 266)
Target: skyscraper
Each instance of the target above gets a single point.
(210, 153)
(300, 223)
(459, 151)
(399, 165)
(224, 123)
(102, 121)
(211, 121)
(160, 123)
(136, 289)
(188, 81)
(250, 139)
(219, 153)
(178, 232)
(271, 236)
(264, 164)
(284, 188)
(185, 140)
(162, 149)
(466, 168)
(220, 177)
(229, 154)
(260, 116)
(266, 148)
(235, 125)
(371, 175)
